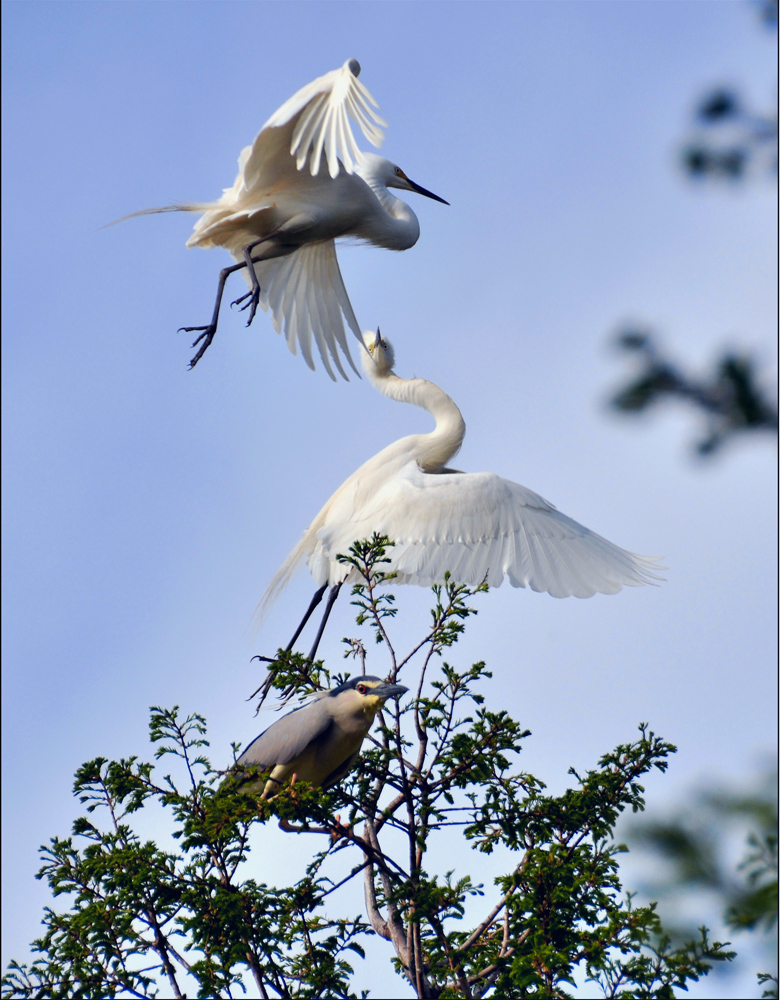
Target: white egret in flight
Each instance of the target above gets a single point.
(302, 184)
(474, 525)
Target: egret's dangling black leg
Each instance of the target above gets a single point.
(314, 602)
(208, 332)
(334, 593)
(265, 687)
(254, 293)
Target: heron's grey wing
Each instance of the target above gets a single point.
(288, 737)
(341, 771)
(478, 526)
(316, 120)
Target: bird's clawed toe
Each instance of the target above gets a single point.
(252, 301)
(205, 333)
(339, 831)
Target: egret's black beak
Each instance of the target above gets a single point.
(428, 194)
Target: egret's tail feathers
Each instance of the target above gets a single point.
(309, 303)
(185, 206)
(280, 580)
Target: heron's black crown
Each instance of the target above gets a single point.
(368, 679)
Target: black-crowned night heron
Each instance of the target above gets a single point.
(320, 741)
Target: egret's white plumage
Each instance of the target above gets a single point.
(302, 184)
(476, 526)
(323, 109)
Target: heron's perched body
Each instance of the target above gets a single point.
(476, 526)
(320, 741)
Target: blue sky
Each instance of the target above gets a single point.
(146, 506)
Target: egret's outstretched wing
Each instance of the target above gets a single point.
(322, 111)
(281, 743)
(478, 526)
(308, 302)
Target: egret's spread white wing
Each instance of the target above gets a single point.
(308, 301)
(478, 526)
(324, 108)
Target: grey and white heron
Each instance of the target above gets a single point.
(475, 526)
(302, 184)
(320, 741)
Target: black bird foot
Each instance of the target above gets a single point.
(206, 335)
(254, 301)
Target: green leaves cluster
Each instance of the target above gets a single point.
(147, 922)
(693, 851)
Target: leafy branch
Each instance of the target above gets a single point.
(147, 922)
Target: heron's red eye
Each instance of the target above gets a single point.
(361, 688)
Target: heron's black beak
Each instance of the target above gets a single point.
(378, 340)
(428, 194)
(390, 691)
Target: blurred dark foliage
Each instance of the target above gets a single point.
(693, 853)
(730, 397)
(728, 140)
(767, 10)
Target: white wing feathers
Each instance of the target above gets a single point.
(307, 299)
(325, 106)
(478, 526)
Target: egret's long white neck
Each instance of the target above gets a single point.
(434, 450)
(397, 227)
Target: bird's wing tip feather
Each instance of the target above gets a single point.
(325, 109)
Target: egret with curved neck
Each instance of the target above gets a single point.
(475, 526)
(301, 185)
